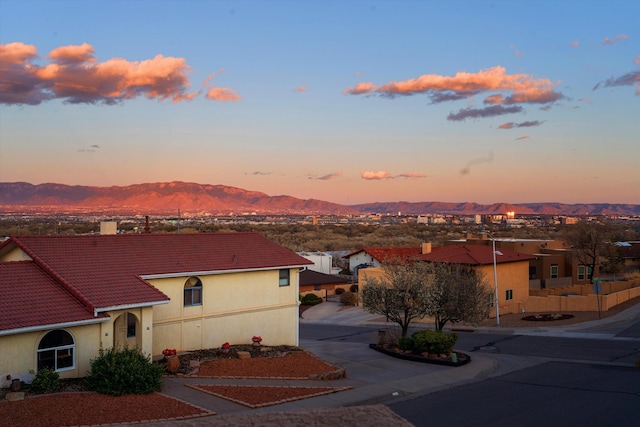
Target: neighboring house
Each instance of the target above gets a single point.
(512, 270)
(65, 297)
(553, 265)
(322, 262)
(630, 255)
(376, 256)
(325, 283)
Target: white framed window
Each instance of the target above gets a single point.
(193, 292)
(284, 277)
(581, 272)
(56, 351)
(554, 271)
(508, 295)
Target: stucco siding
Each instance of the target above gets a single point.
(235, 307)
(19, 352)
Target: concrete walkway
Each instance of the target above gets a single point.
(376, 378)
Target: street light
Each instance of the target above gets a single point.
(495, 277)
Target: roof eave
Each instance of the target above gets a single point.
(211, 272)
(128, 306)
(52, 326)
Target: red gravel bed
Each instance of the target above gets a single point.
(73, 409)
(294, 365)
(259, 396)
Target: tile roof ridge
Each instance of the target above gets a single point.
(50, 271)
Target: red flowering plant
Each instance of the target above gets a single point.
(225, 346)
(256, 339)
(169, 352)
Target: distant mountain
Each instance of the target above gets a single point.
(168, 197)
(422, 208)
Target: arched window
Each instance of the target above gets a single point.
(56, 351)
(193, 292)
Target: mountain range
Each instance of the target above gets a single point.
(169, 197)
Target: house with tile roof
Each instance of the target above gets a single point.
(65, 297)
(375, 256)
(512, 270)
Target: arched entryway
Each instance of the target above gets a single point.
(126, 331)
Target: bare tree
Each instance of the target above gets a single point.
(400, 294)
(458, 293)
(588, 240)
(446, 292)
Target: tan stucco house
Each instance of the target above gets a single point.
(512, 270)
(65, 297)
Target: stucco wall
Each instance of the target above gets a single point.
(19, 352)
(235, 307)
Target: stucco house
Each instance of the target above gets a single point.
(512, 270)
(375, 256)
(65, 297)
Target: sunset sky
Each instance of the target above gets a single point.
(344, 101)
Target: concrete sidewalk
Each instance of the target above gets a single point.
(374, 377)
(606, 328)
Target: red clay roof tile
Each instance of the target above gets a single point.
(106, 270)
(31, 298)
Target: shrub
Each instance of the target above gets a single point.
(339, 291)
(632, 275)
(124, 371)
(310, 299)
(354, 288)
(406, 343)
(46, 381)
(434, 342)
(348, 298)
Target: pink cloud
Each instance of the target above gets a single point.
(608, 41)
(515, 88)
(73, 54)
(494, 99)
(224, 94)
(492, 79)
(300, 89)
(637, 60)
(522, 137)
(370, 175)
(574, 43)
(512, 125)
(375, 175)
(74, 75)
(360, 88)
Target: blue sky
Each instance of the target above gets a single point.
(350, 102)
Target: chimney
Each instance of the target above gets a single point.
(108, 227)
(425, 248)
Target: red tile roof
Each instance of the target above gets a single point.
(103, 271)
(32, 298)
(472, 255)
(383, 254)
